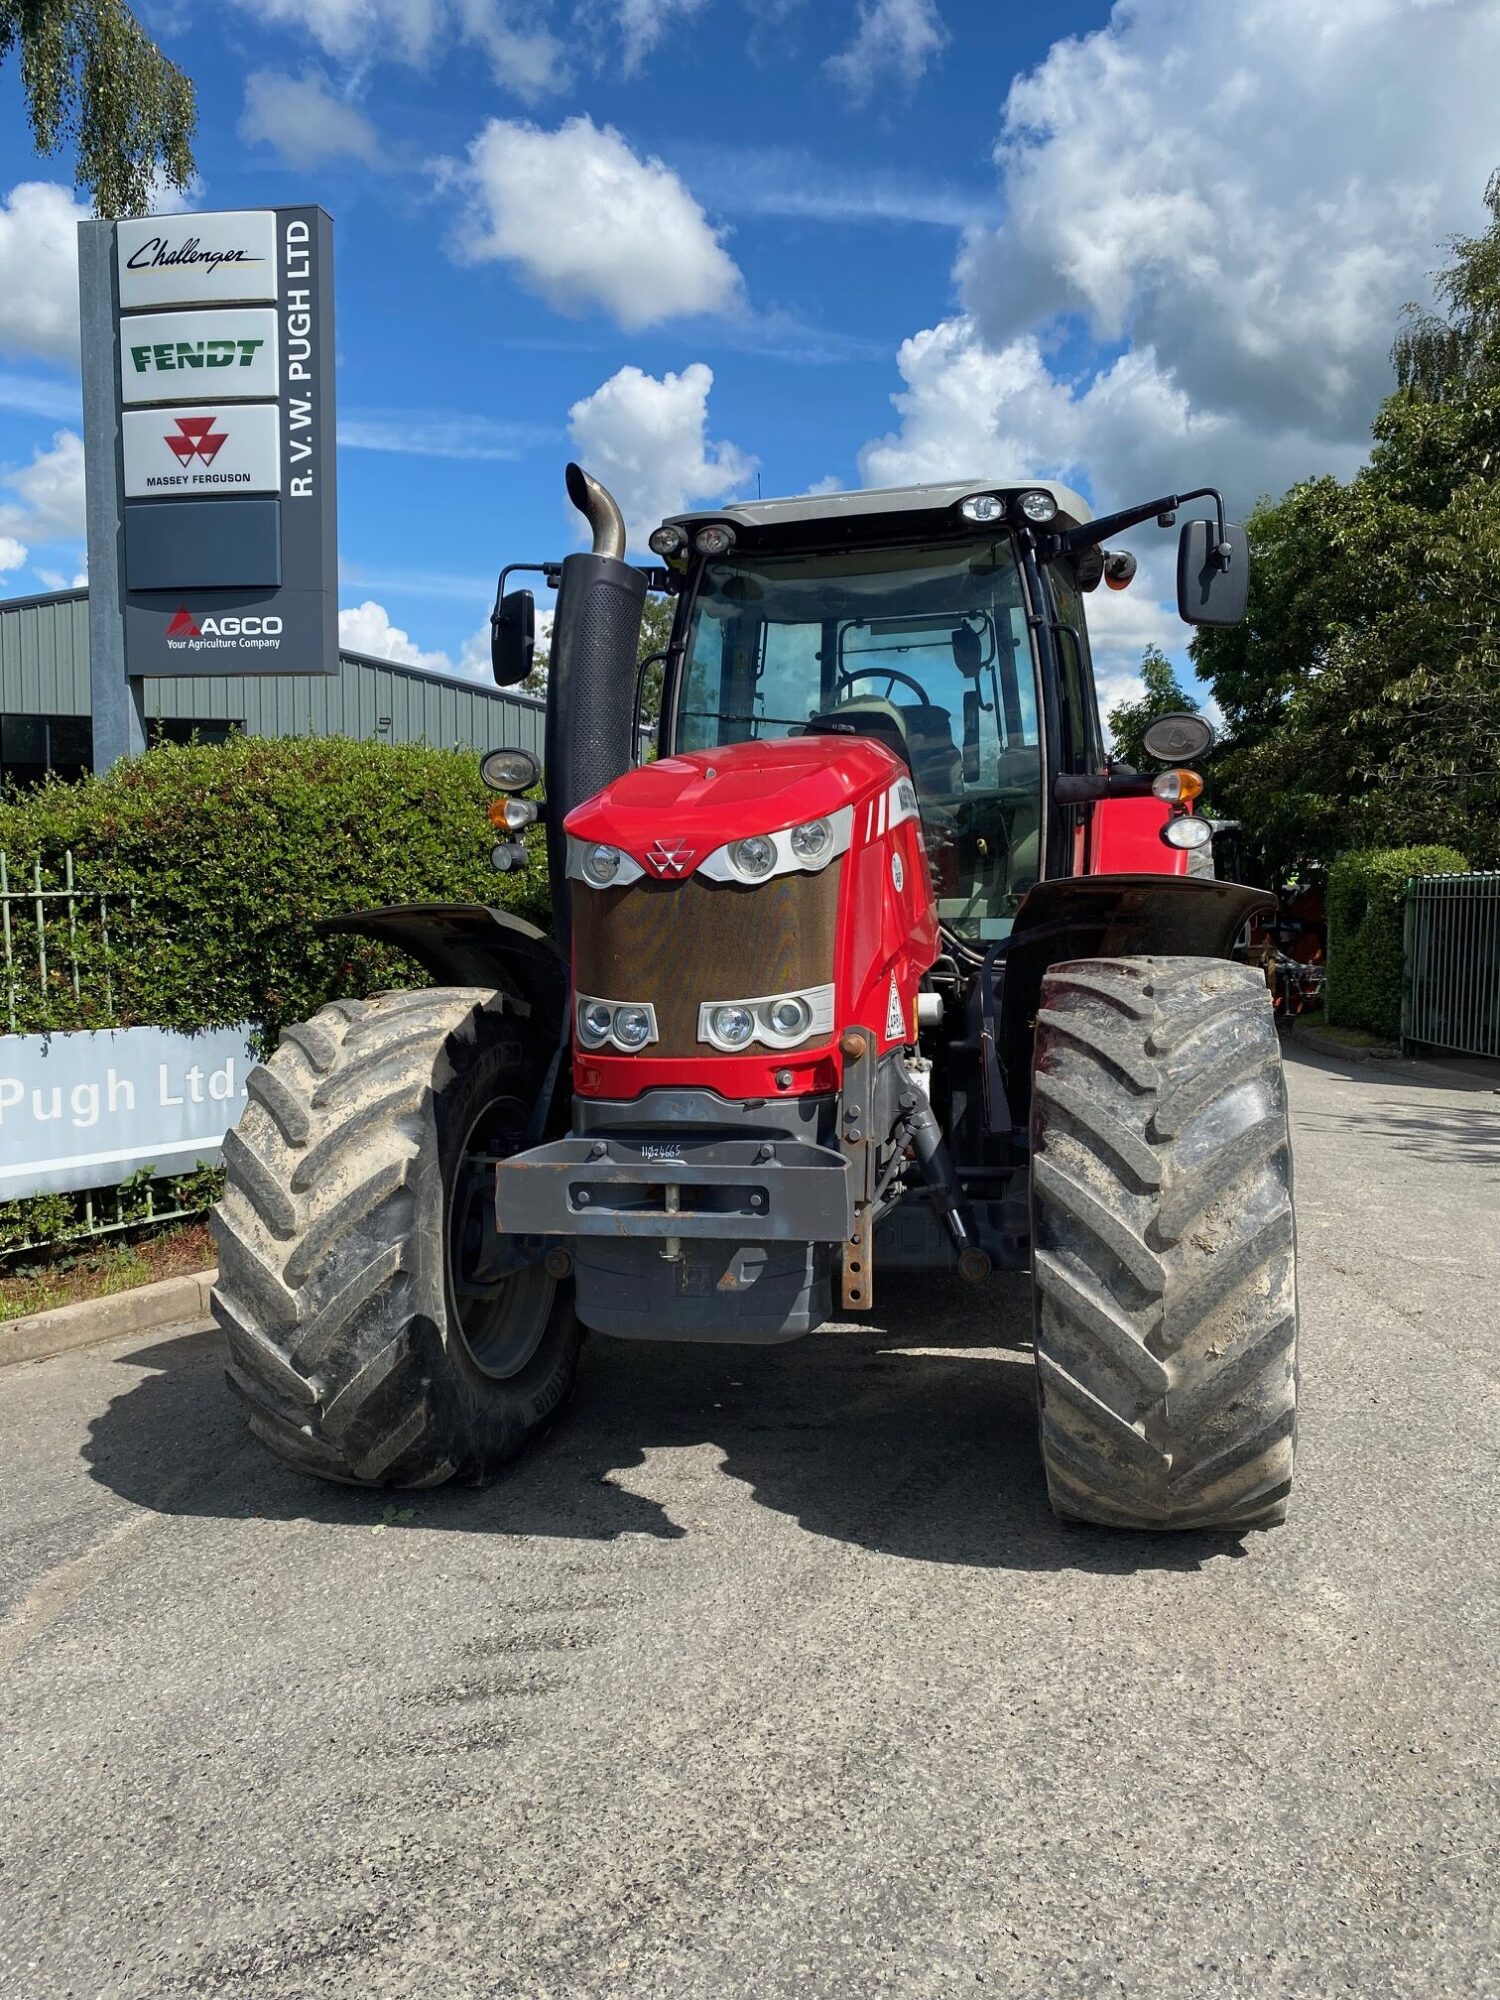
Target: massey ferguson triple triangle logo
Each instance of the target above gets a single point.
(669, 857)
(196, 438)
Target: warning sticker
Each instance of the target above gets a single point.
(895, 1021)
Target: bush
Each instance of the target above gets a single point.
(218, 859)
(215, 862)
(1366, 925)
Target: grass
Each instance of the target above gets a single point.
(93, 1271)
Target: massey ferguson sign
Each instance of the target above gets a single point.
(234, 450)
(222, 454)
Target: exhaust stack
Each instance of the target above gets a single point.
(596, 631)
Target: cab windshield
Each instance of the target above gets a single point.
(926, 648)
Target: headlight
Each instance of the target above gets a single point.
(632, 1027)
(734, 1025)
(802, 849)
(754, 858)
(666, 541)
(595, 1019)
(601, 864)
(779, 1020)
(1037, 507)
(790, 1016)
(628, 1025)
(812, 841)
(509, 770)
(1188, 831)
(717, 539)
(981, 508)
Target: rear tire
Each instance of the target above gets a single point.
(356, 1342)
(1163, 1246)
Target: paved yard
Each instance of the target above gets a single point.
(769, 1673)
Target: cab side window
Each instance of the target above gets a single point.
(1082, 746)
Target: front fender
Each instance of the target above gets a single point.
(470, 944)
(1108, 916)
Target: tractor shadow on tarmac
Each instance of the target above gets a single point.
(911, 1434)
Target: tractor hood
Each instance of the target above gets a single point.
(705, 797)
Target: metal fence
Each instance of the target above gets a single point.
(1450, 989)
(57, 957)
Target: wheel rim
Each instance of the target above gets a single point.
(500, 1319)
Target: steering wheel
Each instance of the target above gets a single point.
(890, 675)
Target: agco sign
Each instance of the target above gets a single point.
(184, 629)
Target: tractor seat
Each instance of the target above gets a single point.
(868, 715)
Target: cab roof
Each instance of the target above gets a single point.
(888, 511)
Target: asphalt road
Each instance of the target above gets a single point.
(769, 1673)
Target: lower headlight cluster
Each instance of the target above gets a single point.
(775, 1020)
(627, 1025)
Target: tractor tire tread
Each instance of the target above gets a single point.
(1166, 1318)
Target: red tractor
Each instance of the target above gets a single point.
(880, 965)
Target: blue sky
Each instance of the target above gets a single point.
(1184, 265)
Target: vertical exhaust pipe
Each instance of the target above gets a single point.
(590, 728)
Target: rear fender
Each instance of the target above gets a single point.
(471, 944)
(1107, 916)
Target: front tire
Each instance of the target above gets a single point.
(1163, 1246)
(359, 1341)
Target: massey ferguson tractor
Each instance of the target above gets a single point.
(880, 964)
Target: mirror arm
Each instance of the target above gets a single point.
(550, 572)
(1083, 788)
(1089, 534)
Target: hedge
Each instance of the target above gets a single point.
(1366, 924)
(216, 861)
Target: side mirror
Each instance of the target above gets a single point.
(513, 638)
(1213, 577)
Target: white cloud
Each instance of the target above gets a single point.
(586, 222)
(641, 23)
(525, 59)
(304, 121)
(1243, 195)
(647, 440)
(893, 39)
(1128, 433)
(435, 434)
(12, 552)
(41, 396)
(39, 271)
(47, 502)
(367, 628)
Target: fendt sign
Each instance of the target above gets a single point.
(215, 445)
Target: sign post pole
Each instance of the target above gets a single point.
(116, 698)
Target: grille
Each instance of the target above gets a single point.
(678, 944)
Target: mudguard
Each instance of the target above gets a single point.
(1107, 916)
(470, 944)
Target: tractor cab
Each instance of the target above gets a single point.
(897, 616)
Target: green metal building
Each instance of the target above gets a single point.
(44, 699)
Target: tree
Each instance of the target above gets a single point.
(1362, 693)
(95, 80)
(1163, 694)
